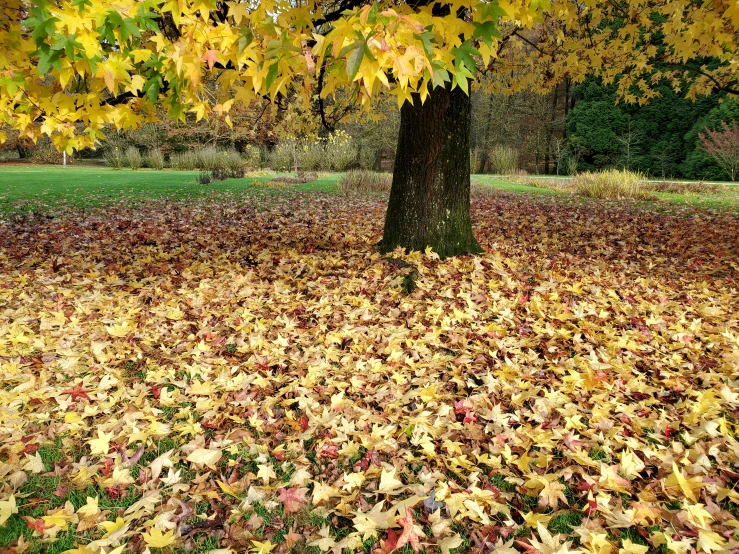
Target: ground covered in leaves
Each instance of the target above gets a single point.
(249, 374)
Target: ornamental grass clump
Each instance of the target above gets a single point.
(133, 158)
(362, 180)
(613, 184)
(154, 159)
(114, 157)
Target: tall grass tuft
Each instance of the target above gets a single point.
(207, 159)
(504, 159)
(133, 158)
(114, 157)
(154, 159)
(362, 180)
(613, 184)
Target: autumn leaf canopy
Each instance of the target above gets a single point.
(69, 68)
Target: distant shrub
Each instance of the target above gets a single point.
(311, 156)
(252, 157)
(207, 159)
(612, 184)
(223, 173)
(132, 158)
(114, 157)
(723, 146)
(362, 180)
(154, 159)
(281, 183)
(205, 178)
(333, 153)
(340, 151)
(283, 156)
(367, 158)
(504, 159)
(685, 188)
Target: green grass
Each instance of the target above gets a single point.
(726, 199)
(29, 187)
(498, 183)
(24, 188)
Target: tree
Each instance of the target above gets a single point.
(699, 164)
(70, 67)
(723, 146)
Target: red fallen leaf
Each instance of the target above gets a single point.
(469, 417)
(37, 525)
(585, 486)
(107, 468)
(410, 534)
(390, 543)
(591, 508)
(459, 407)
(293, 499)
(279, 454)
(669, 432)
(61, 491)
(133, 460)
(329, 451)
(156, 391)
(30, 448)
(78, 392)
(117, 491)
(625, 419)
(528, 547)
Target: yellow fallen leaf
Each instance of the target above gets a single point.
(112, 526)
(628, 547)
(388, 483)
(156, 539)
(100, 445)
(266, 473)
(90, 508)
(7, 508)
(58, 519)
(448, 543)
(205, 456)
(261, 547)
(228, 489)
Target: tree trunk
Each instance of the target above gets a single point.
(430, 196)
(550, 130)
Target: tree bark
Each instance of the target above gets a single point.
(430, 195)
(550, 130)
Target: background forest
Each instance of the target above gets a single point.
(572, 129)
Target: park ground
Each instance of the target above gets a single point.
(234, 367)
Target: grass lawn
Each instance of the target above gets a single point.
(92, 186)
(189, 368)
(24, 188)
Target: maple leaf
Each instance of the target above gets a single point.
(628, 547)
(293, 499)
(205, 456)
(367, 523)
(78, 392)
(411, 532)
(211, 56)
(100, 445)
(156, 539)
(261, 547)
(388, 483)
(38, 525)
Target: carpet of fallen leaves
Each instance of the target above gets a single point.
(250, 374)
